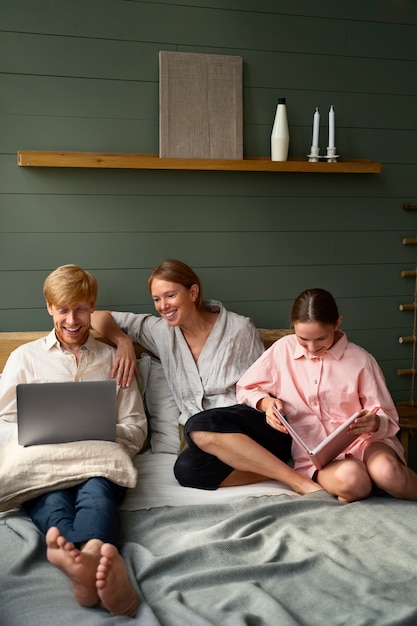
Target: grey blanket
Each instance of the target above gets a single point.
(273, 561)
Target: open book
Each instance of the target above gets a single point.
(330, 447)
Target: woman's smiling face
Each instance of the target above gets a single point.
(173, 301)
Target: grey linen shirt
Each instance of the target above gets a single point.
(232, 346)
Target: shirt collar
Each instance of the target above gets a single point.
(336, 350)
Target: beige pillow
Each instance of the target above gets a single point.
(29, 472)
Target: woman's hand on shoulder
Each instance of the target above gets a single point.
(125, 365)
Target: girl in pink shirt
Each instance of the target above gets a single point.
(317, 378)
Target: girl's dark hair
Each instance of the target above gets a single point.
(177, 272)
(315, 305)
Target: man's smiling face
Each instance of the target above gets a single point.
(71, 324)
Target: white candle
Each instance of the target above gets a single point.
(331, 128)
(316, 125)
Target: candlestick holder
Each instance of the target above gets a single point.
(331, 155)
(314, 155)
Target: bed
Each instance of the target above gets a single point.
(258, 555)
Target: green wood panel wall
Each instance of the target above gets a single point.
(83, 75)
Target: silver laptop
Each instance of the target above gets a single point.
(66, 411)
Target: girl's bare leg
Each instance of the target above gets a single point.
(389, 473)
(348, 480)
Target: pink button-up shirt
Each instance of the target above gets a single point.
(318, 393)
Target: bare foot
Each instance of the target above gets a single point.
(303, 485)
(79, 566)
(312, 489)
(113, 587)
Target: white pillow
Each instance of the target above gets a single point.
(160, 406)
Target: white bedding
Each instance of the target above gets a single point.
(157, 487)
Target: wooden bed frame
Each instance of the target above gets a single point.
(9, 341)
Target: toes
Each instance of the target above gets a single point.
(109, 550)
(52, 535)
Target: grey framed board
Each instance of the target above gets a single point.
(201, 110)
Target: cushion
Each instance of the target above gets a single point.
(29, 472)
(160, 406)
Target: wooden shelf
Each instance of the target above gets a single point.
(42, 158)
